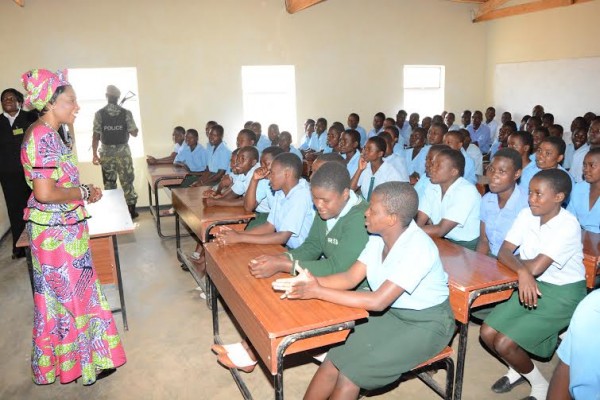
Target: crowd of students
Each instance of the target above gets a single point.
(359, 233)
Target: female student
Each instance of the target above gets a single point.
(218, 156)
(501, 205)
(350, 149)
(372, 169)
(425, 181)
(549, 154)
(415, 154)
(411, 321)
(584, 202)
(522, 142)
(450, 206)
(551, 283)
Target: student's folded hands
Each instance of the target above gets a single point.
(225, 235)
(303, 286)
(528, 289)
(266, 266)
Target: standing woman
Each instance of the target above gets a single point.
(13, 124)
(74, 333)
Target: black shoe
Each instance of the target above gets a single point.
(134, 214)
(18, 253)
(529, 398)
(105, 373)
(503, 385)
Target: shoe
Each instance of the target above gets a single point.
(224, 360)
(18, 253)
(503, 385)
(105, 373)
(529, 398)
(134, 214)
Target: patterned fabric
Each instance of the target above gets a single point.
(116, 161)
(74, 333)
(40, 85)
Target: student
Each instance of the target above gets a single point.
(192, 156)
(548, 156)
(577, 375)
(292, 213)
(350, 149)
(372, 170)
(415, 154)
(353, 120)
(480, 134)
(333, 139)
(449, 121)
(506, 117)
(578, 140)
(218, 158)
(424, 181)
(426, 123)
(507, 129)
(396, 160)
(538, 111)
(450, 207)
(411, 319)
(491, 123)
(398, 144)
(501, 205)
(377, 126)
(246, 137)
(403, 126)
(465, 119)
(262, 142)
(455, 140)
(584, 203)
(321, 136)
(413, 121)
(273, 134)
(178, 136)
(523, 124)
(309, 129)
(248, 125)
(389, 121)
(472, 151)
(532, 124)
(548, 120)
(593, 141)
(556, 130)
(325, 158)
(551, 283)
(285, 142)
(226, 181)
(539, 133)
(522, 142)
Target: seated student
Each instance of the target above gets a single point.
(522, 142)
(549, 154)
(585, 203)
(425, 181)
(292, 213)
(480, 133)
(372, 170)
(523, 123)
(532, 124)
(398, 144)
(556, 130)
(248, 125)
(577, 375)
(389, 121)
(501, 205)
(435, 135)
(551, 283)
(507, 129)
(246, 163)
(226, 181)
(415, 154)
(192, 156)
(426, 123)
(449, 121)
(403, 126)
(325, 158)
(578, 140)
(397, 161)
(353, 120)
(411, 318)
(450, 206)
(218, 158)
(309, 130)
(259, 196)
(593, 141)
(333, 139)
(548, 121)
(285, 142)
(262, 142)
(318, 142)
(350, 149)
(246, 137)
(377, 126)
(539, 133)
(455, 140)
(273, 134)
(413, 121)
(179, 140)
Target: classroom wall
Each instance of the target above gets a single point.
(348, 55)
(564, 33)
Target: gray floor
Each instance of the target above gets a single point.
(169, 338)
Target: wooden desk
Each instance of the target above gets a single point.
(110, 217)
(591, 257)
(190, 207)
(474, 280)
(162, 175)
(275, 327)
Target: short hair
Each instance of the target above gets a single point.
(18, 95)
(310, 121)
(594, 151)
(557, 142)
(385, 135)
(248, 124)
(250, 150)
(394, 129)
(491, 108)
(535, 119)
(421, 131)
(443, 127)
(338, 127)
(290, 161)
(558, 127)
(456, 158)
(392, 120)
(436, 148)
(323, 120)
(557, 178)
(543, 130)
(526, 137)
(179, 129)
(212, 123)
(331, 176)
(219, 129)
(548, 116)
(257, 124)
(451, 113)
(403, 112)
(354, 135)
(286, 133)
(273, 151)
(235, 152)
(525, 118)
(512, 125)
(249, 133)
(457, 134)
(380, 115)
(512, 155)
(467, 112)
(379, 142)
(399, 198)
(355, 115)
(331, 157)
(438, 118)
(192, 132)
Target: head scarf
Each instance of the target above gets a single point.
(41, 85)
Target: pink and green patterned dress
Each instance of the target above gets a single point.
(74, 333)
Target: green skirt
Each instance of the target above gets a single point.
(469, 244)
(536, 330)
(379, 351)
(259, 219)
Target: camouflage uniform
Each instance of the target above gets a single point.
(115, 159)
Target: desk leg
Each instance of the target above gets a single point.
(120, 283)
(460, 359)
(150, 197)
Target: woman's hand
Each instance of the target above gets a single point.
(528, 289)
(95, 194)
(304, 286)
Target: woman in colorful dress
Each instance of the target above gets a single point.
(74, 333)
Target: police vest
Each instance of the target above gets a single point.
(114, 128)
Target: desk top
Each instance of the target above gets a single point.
(591, 245)
(159, 171)
(192, 209)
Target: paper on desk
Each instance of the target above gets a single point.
(110, 214)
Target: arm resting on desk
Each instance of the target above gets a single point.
(483, 245)
(436, 230)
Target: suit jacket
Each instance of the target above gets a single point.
(11, 139)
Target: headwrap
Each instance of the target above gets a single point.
(40, 85)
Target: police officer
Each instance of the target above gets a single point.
(112, 126)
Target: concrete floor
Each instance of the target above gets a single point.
(169, 338)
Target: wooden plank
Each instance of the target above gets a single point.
(488, 6)
(293, 6)
(526, 9)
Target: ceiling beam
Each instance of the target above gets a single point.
(525, 9)
(293, 6)
(488, 6)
